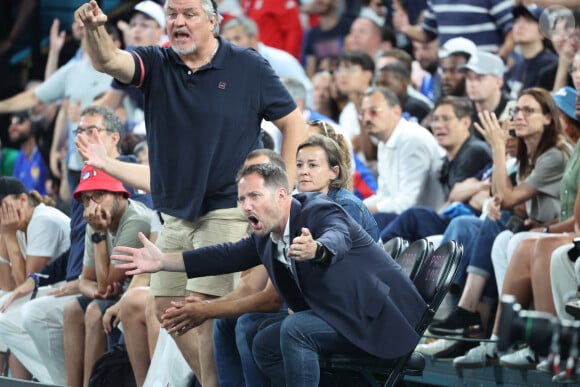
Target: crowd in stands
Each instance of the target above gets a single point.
(438, 119)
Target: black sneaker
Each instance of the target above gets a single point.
(456, 323)
(573, 309)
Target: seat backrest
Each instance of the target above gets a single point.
(395, 246)
(413, 256)
(437, 272)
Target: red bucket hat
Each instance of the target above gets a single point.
(93, 179)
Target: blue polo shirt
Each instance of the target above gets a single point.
(201, 126)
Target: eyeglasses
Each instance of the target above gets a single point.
(525, 110)
(372, 112)
(321, 124)
(97, 197)
(89, 130)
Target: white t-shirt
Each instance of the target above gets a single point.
(48, 233)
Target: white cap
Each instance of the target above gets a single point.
(485, 63)
(153, 10)
(456, 46)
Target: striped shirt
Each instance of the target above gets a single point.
(485, 22)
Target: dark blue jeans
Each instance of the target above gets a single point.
(227, 358)
(232, 340)
(384, 218)
(462, 229)
(477, 237)
(287, 351)
(415, 223)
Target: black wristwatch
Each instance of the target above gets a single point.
(321, 256)
(98, 237)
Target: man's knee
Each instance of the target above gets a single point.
(32, 313)
(93, 316)
(73, 313)
(134, 301)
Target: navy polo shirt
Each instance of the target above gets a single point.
(201, 125)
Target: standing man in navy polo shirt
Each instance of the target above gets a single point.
(204, 101)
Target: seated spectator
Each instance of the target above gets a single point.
(33, 234)
(427, 54)
(522, 268)
(465, 158)
(538, 187)
(112, 220)
(395, 76)
(396, 55)
(565, 38)
(409, 159)
(363, 184)
(366, 36)
(322, 101)
(528, 37)
(454, 54)
(565, 273)
(505, 244)
(354, 75)
(29, 166)
(483, 84)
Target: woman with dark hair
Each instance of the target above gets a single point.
(521, 263)
(542, 155)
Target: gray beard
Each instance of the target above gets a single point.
(186, 51)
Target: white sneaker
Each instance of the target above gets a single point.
(485, 355)
(544, 366)
(434, 347)
(523, 359)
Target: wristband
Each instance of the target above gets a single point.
(36, 279)
(34, 276)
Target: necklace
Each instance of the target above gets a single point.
(209, 58)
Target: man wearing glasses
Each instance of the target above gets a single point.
(112, 220)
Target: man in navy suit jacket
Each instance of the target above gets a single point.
(347, 294)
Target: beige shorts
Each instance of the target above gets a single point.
(218, 226)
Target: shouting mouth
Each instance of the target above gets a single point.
(254, 222)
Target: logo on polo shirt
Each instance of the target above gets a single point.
(222, 85)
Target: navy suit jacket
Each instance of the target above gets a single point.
(363, 293)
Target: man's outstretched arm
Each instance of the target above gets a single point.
(104, 55)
